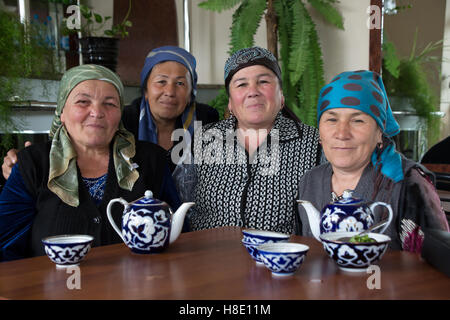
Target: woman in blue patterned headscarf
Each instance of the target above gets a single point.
(169, 87)
(356, 125)
(365, 91)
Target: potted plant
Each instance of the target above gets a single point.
(96, 47)
(290, 24)
(407, 84)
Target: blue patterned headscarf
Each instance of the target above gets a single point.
(364, 90)
(147, 127)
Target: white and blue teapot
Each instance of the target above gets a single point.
(344, 215)
(148, 224)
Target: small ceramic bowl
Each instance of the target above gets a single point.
(67, 250)
(282, 259)
(354, 257)
(253, 238)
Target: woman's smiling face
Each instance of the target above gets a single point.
(255, 97)
(168, 90)
(92, 114)
(349, 137)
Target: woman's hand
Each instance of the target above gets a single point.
(10, 160)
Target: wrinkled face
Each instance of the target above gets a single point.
(168, 90)
(255, 97)
(92, 114)
(349, 137)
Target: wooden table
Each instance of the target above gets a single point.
(213, 264)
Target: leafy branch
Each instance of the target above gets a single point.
(93, 22)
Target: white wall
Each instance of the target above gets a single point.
(347, 49)
(342, 50)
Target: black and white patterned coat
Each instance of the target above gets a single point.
(232, 190)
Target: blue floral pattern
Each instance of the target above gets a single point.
(340, 218)
(145, 230)
(354, 256)
(65, 255)
(282, 264)
(96, 187)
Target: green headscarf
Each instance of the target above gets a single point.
(63, 177)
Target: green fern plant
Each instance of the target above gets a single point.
(300, 54)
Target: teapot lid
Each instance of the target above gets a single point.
(348, 199)
(148, 199)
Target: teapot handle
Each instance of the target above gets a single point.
(388, 206)
(111, 220)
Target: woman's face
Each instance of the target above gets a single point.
(255, 97)
(168, 90)
(92, 114)
(349, 137)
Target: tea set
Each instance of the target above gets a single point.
(149, 225)
(337, 221)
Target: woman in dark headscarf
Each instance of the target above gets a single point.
(169, 86)
(246, 168)
(356, 125)
(64, 186)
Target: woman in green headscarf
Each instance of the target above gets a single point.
(64, 186)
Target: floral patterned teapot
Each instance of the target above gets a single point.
(148, 224)
(347, 214)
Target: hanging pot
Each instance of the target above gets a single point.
(100, 50)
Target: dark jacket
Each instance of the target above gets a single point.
(54, 217)
(439, 153)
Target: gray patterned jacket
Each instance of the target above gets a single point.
(230, 189)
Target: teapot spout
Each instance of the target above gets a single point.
(313, 218)
(178, 220)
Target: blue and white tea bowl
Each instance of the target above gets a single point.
(354, 257)
(67, 250)
(253, 238)
(251, 249)
(282, 259)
